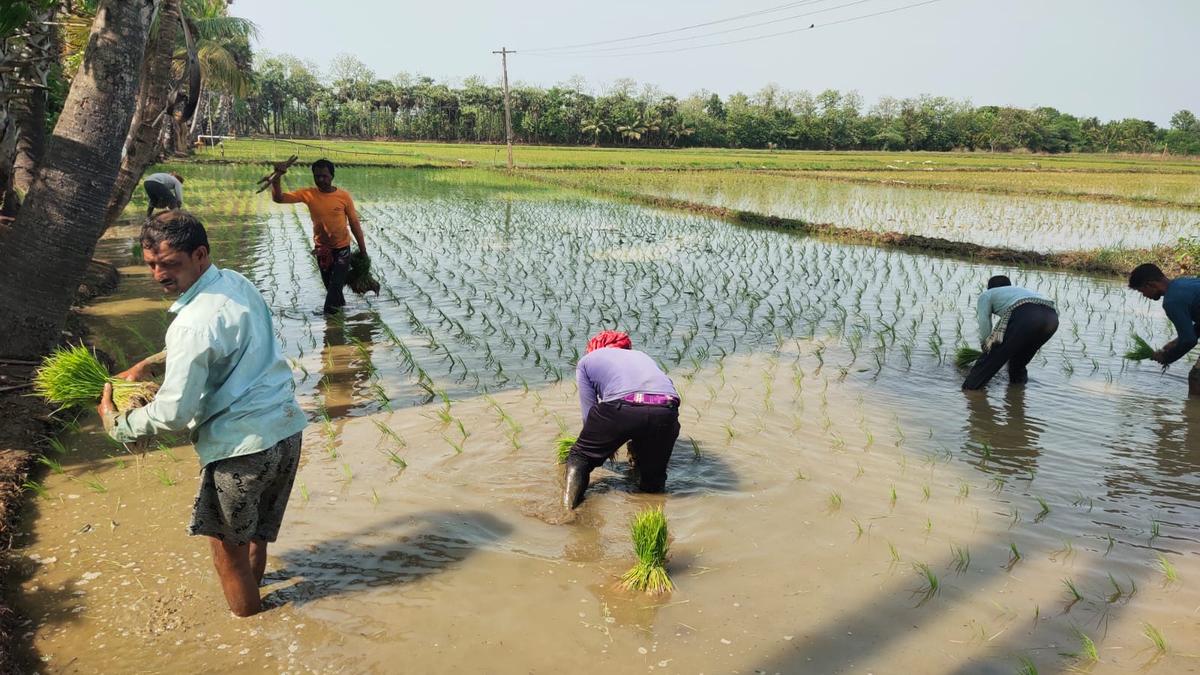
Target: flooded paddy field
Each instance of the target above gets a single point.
(836, 503)
(1024, 222)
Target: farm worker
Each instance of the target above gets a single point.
(334, 220)
(1181, 302)
(1027, 321)
(624, 397)
(226, 382)
(163, 191)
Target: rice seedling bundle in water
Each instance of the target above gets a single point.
(73, 377)
(965, 357)
(563, 446)
(649, 533)
(359, 278)
(1141, 349)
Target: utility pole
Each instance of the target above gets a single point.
(504, 52)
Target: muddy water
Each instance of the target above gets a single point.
(826, 455)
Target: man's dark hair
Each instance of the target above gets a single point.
(998, 281)
(180, 229)
(323, 163)
(1144, 274)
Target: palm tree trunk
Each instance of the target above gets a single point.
(41, 49)
(143, 146)
(44, 254)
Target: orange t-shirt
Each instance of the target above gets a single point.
(331, 213)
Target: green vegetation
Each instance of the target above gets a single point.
(72, 377)
(563, 445)
(965, 357)
(649, 533)
(1141, 349)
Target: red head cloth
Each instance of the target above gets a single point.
(609, 338)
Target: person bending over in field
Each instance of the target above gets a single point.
(163, 191)
(1181, 302)
(1027, 321)
(226, 383)
(334, 220)
(624, 397)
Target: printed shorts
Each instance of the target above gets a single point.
(244, 497)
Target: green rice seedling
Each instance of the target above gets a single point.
(892, 496)
(930, 587)
(1014, 555)
(648, 530)
(1111, 542)
(167, 451)
(928, 526)
(563, 447)
(1073, 594)
(834, 502)
(58, 446)
(389, 433)
(1117, 593)
(36, 488)
(374, 497)
(396, 460)
(303, 492)
(72, 377)
(54, 465)
(965, 357)
(1155, 529)
(458, 447)
(964, 490)
(858, 527)
(894, 553)
(1170, 575)
(163, 476)
(1155, 636)
(800, 475)
(1141, 349)
(349, 476)
(925, 493)
(1087, 647)
(1027, 666)
(962, 558)
(96, 486)
(1045, 511)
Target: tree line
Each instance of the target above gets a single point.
(292, 97)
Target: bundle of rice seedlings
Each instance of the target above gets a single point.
(359, 278)
(563, 445)
(73, 377)
(965, 357)
(649, 532)
(1141, 349)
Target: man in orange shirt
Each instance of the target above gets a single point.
(334, 220)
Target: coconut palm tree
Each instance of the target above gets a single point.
(595, 127)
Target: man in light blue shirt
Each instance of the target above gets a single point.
(226, 383)
(1027, 321)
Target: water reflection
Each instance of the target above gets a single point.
(346, 364)
(1002, 438)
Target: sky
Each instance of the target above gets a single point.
(1108, 58)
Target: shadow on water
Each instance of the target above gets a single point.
(403, 550)
(1004, 440)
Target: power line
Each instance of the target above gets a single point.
(749, 39)
(777, 8)
(714, 33)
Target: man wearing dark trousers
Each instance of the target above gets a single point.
(1027, 321)
(334, 219)
(624, 397)
(1181, 301)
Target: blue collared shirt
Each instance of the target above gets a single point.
(226, 380)
(1181, 302)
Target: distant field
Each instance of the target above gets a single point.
(448, 154)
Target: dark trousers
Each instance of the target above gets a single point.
(160, 196)
(650, 430)
(334, 278)
(1029, 327)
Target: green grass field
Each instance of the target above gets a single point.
(379, 153)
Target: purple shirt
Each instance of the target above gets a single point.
(610, 373)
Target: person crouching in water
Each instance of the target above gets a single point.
(1027, 321)
(624, 397)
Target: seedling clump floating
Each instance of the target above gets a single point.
(73, 377)
(649, 533)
